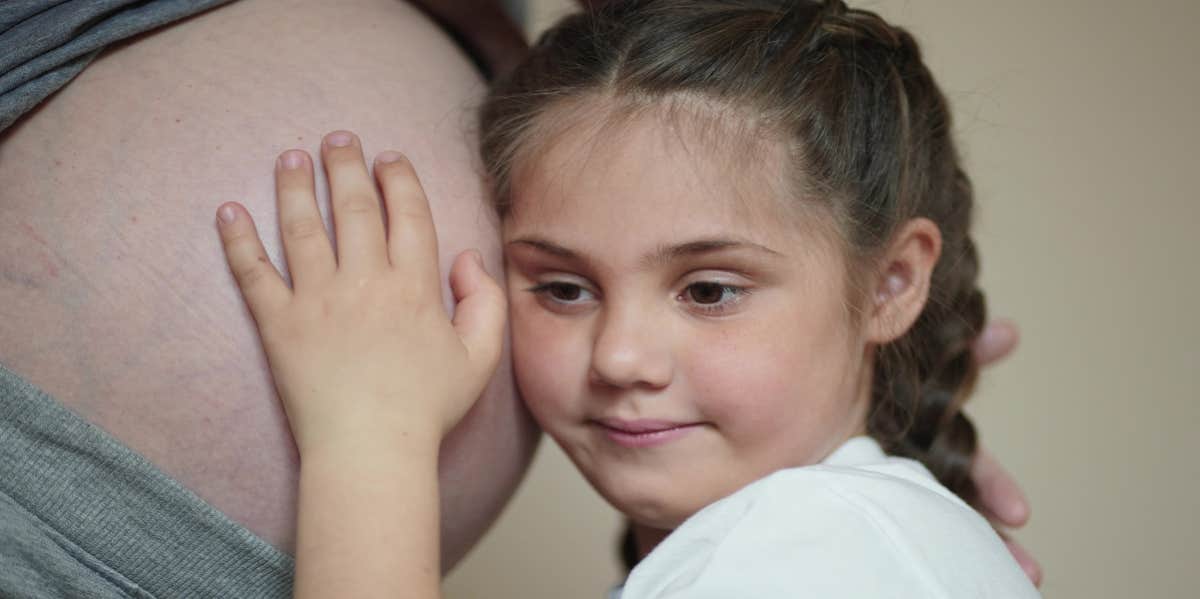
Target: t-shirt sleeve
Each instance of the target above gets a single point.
(823, 533)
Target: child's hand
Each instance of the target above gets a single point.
(361, 348)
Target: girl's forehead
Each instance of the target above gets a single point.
(668, 168)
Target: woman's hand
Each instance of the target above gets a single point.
(360, 347)
(1000, 498)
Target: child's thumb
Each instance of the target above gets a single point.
(479, 313)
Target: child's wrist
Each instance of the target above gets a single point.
(371, 441)
(369, 456)
(362, 502)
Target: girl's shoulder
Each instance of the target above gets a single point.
(860, 524)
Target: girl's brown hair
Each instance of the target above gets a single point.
(870, 134)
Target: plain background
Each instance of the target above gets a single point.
(1078, 121)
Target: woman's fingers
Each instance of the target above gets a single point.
(999, 495)
(1032, 569)
(357, 217)
(998, 339)
(1001, 500)
(305, 242)
(412, 241)
(262, 287)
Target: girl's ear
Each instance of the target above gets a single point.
(901, 285)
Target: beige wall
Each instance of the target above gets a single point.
(1079, 124)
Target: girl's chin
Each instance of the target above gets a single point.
(647, 510)
(648, 497)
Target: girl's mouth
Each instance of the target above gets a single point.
(643, 433)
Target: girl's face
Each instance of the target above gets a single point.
(676, 328)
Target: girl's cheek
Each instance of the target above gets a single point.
(543, 364)
(742, 378)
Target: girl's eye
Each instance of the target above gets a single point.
(713, 297)
(563, 293)
(706, 293)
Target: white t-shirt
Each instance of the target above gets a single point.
(860, 524)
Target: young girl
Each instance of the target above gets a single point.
(738, 275)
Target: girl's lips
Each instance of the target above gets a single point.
(644, 433)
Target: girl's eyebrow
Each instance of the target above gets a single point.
(546, 246)
(663, 255)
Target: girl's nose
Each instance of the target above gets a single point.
(631, 351)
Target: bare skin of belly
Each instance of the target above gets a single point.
(114, 293)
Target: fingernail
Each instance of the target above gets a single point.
(1018, 511)
(389, 156)
(227, 214)
(339, 139)
(291, 159)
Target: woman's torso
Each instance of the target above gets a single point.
(116, 298)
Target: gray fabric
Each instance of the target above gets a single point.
(45, 43)
(83, 516)
(518, 11)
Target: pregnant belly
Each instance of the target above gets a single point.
(116, 296)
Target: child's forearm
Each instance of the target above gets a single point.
(368, 523)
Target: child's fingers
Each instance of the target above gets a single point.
(262, 287)
(305, 241)
(412, 240)
(357, 217)
(479, 314)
